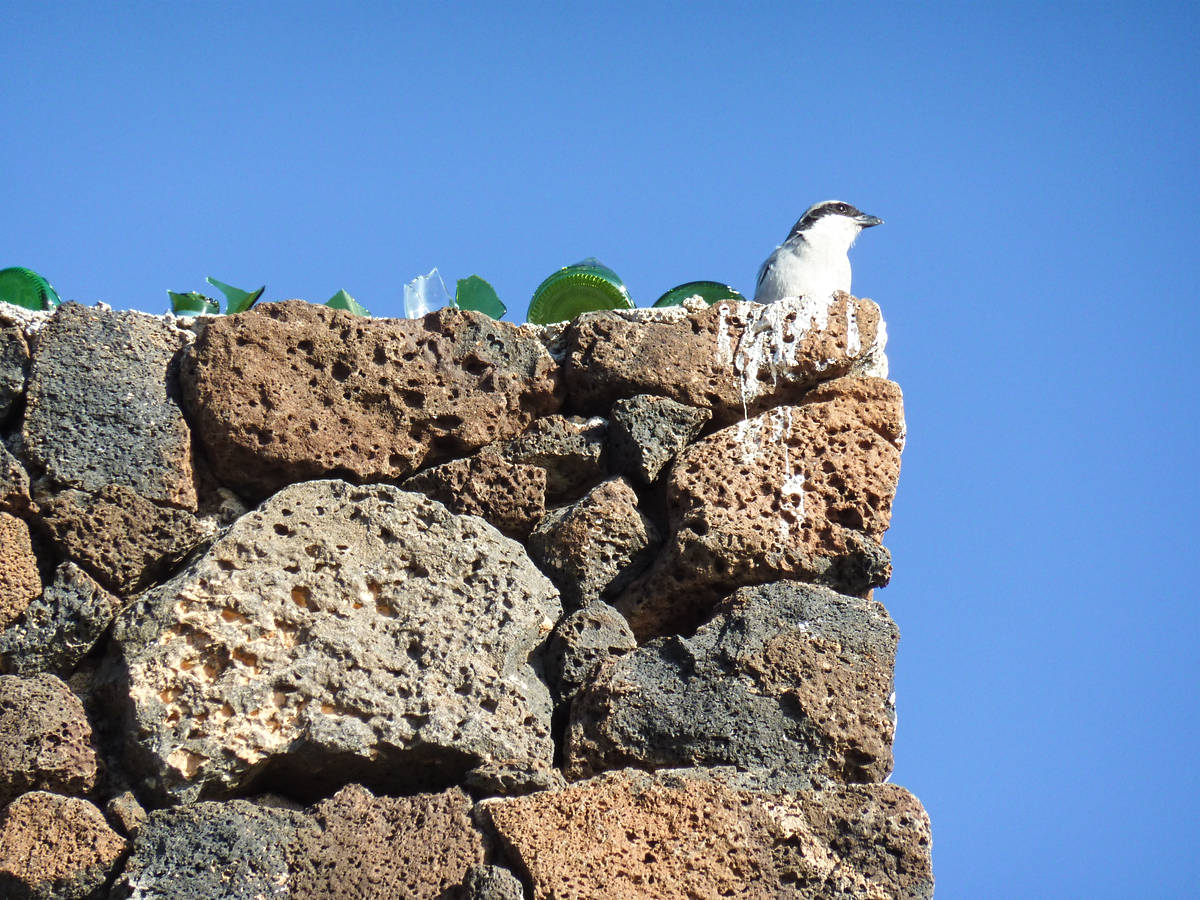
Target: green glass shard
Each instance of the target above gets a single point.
(475, 293)
(193, 303)
(576, 289)
(236, 300)
(709, 291)
(342, 300)
(25, 287)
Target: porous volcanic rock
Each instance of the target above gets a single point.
(19, 578)
(491, 883)
(55, 848)
(800, 492)
(126, 813)
(571, 449)
(45, 738)
(698, 834)
(787, 678)
(292, 391)
(645, 432)
(732, 358)
(101, 406)
(417, 847)
(580, 643)
(14, 484)
(14, 365)
(212, 851)
(595, 546)
(121, 538)
(510, 495)
(58, 628)
(340, 633)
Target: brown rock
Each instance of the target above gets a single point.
(510, 495)
(120, 537)
(14, 484)
(293, 391)
(569, 448)
(696, 834)
(596, 546)
(802, 492)
(414, 847)
(55, 848)
(20, 582)
(732, 358)
(45, 738)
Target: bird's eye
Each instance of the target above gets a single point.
(842, 207)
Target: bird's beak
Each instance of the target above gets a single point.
(866, 221)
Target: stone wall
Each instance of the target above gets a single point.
(294, 603)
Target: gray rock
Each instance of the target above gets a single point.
(45, 738)
(339, 634)
(125, 813)
(569, 448)
(492, 883)
(789, 678)
(101, 405)
(14, 484)
(119, 536)
(212, 851)
(58, 628)
(596, 546)
(14, 365)
(580, 643)
(645, 432)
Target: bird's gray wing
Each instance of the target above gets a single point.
(762, 272)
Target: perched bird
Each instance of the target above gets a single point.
(812, 262)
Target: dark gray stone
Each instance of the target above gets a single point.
(789, 678)
(580, 643)
(212, 851)
(14, 365)
(58, 628)
(101, 405)
(645, 432)
(491, 883)
(569, 448)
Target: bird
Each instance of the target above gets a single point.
(813, 261)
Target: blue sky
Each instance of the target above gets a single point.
(1037, 169)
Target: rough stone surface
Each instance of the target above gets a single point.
(101, 405)
(697, 835)
(492, 883)
(571, 450)
(58, 628)
(731, 358)
(787, 678)
(45, 738)
(339, 634)
(511, 496)
(212, 851)
(646, 432)
(799, 492)
(55, 848)
(126, 813)
(120, 537)
(418, 847)
(14, 484)
(293, 391)
(19, 578)
(580, 643)
(596, 546)
(14, 365)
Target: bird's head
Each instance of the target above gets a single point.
(832, 223)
